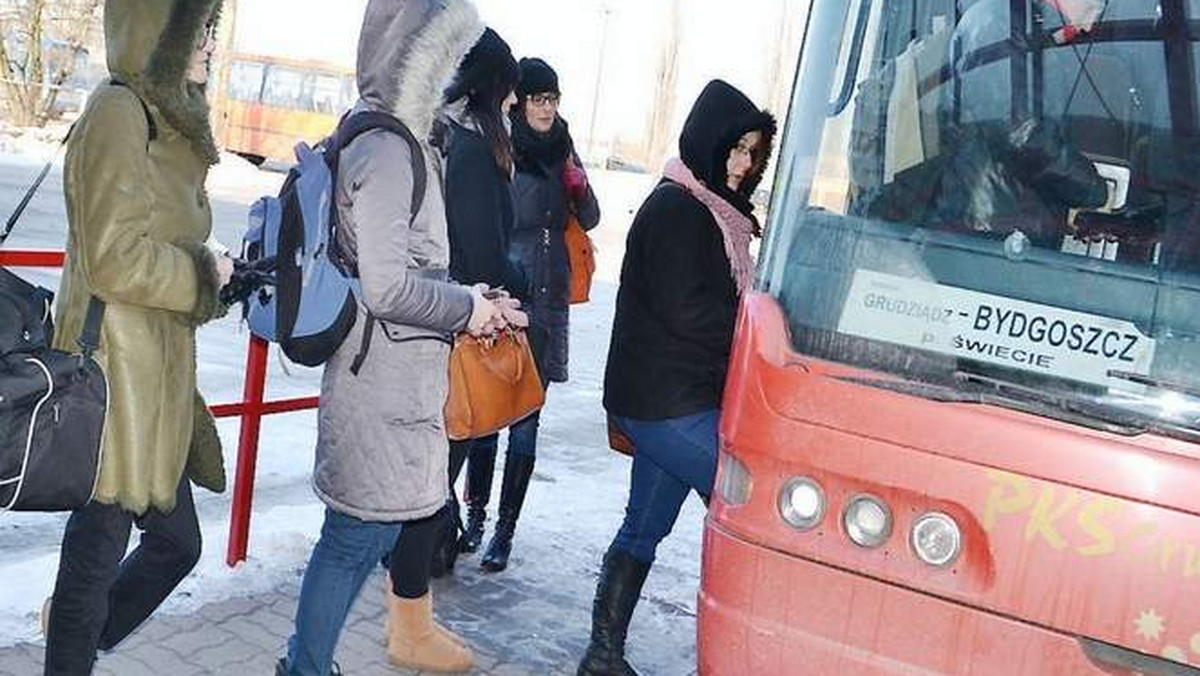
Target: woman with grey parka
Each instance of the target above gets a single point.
(382, 454)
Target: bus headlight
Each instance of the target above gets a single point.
(802, 503)
(868, 521)
(735, 481)
(936, 539)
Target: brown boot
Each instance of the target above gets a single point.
(415, 641)
(389, 596)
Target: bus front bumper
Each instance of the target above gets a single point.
(764, 612)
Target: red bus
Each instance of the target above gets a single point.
(961, 430)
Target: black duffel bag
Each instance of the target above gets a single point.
(53, 404)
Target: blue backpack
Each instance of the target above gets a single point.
(313, 304)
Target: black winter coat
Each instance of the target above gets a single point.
(538, 245)
(480, 215)
(677, 303)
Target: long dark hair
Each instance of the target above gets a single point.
(483, 105)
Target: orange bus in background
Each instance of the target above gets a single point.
(961, 428)
(267, 104)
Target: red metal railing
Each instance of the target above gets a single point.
(251, 410)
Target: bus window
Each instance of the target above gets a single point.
(245, 81)
(327, 94)
(997, 198)
(285, 88)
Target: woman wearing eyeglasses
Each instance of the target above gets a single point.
(549, 185)
(687, 264)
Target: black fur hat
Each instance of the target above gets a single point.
(490, 59)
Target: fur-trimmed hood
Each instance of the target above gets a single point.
(408, 53)
(149, 48)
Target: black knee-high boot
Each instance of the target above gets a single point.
(617, 595)
(517, 471)
(480, 470)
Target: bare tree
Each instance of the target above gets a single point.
(781, 57)
(41, 42)
(663, 114)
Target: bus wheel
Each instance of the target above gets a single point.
(256, 160)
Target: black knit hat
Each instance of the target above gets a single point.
(537, 77)
(490, 59)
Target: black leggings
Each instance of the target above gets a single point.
(412, 555)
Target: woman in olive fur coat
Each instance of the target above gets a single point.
(138, 219)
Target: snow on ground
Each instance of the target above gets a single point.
(580, 485)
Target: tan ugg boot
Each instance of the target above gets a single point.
(415, 641)
(389, 596)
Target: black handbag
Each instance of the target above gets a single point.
(53, 404)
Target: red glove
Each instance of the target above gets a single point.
(575, 180)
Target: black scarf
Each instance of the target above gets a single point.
(537, 153)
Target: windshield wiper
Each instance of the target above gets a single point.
(1096, 415)
(942, 393)
(1066, 408)
(1160, 383)
(1014, 397)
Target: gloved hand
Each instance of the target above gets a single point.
(575, 179)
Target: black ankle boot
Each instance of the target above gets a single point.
(480, 469)
(517, 471)
(617, 595)
(472, 537)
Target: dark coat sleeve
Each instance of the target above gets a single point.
(588, 209)
(479, 213)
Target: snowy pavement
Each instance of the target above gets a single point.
(531, 619)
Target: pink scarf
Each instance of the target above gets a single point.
(736, 228)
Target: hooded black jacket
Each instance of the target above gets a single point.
(677, 302)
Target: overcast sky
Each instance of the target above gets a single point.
(732, 40)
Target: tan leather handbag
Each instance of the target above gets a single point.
(494, 383)
(582, 258)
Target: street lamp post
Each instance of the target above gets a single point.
(599, 79)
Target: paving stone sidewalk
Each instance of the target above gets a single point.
(514, 627)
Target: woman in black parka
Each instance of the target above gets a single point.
(687, 264)
(550, 185)
(480, 212)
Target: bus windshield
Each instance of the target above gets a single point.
(998, 201)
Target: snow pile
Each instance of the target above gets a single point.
(35, 143)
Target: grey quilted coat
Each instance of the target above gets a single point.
(381, 449)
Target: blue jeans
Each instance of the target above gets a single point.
(672, 458)
(346, 553)
(522, 436)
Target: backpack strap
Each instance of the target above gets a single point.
(357, 124)
(351, 127)
(364, 346)
(89, 337)
(151, 125)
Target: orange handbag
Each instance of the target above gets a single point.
(494, 383)
(582, 258)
